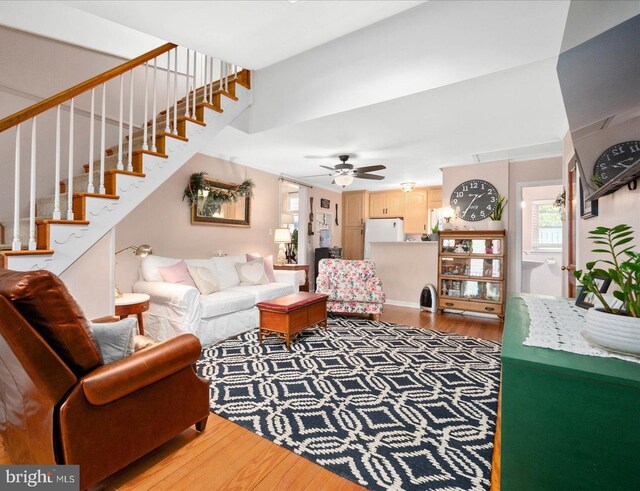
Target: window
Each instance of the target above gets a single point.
(293, 203)
(547, 226)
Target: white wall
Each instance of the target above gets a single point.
(90, 279)
(163, 219)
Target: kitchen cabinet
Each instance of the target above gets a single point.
(416, 216)
(386, 204)
(355, 211)
(353, 243)
(435, 198)
(355, 205)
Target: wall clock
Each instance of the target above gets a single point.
(474, 200)
(614, 160)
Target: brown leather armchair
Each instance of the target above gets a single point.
(60, 404)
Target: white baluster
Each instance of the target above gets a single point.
(235, 71)
(56, 187)
(195, 85)
(211, 80)
(130, 148)
(167, 119)
(188, 79)
(227, 66)
(120, 136)
(155, 110)
(221, 82)
(205, 66)
(145, 135)
(91, 186)
(175, 91)
(32, 190)
(70, 174)
(16, 245)
(101, 189)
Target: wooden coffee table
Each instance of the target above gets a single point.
(288, 316)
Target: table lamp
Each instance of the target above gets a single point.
(142, 250)
(282, 236)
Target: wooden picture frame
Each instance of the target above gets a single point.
(325, 203)
(585, 298)
(229, 214)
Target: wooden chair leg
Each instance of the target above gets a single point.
(375, 317)
(202, 424)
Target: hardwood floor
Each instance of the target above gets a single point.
(227, 456)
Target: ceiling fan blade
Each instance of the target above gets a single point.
(375, 177)
(370, 168)
(327, 167)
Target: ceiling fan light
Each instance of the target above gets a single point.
(407, 187)
(343, 180)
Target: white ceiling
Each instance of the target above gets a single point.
(414, 135)
(251, 33)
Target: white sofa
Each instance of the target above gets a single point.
(175, 309)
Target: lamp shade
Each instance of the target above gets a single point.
(282, 236)
(343, 180)
(143, 250)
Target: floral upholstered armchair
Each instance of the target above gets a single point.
(352, 286)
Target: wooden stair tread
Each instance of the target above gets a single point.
(43, 252)
(196, 121)
(171, 135)
(227, 94)
(96, 195)
(142, 151)
(124, 172)
(209, 106)
(51, 221)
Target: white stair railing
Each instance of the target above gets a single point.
(200, 84)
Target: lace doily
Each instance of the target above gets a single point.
(558, 324)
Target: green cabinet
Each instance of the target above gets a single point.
(568, 421)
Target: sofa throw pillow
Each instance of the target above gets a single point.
(205, 281)
(178, 273)
(115, 339)
(252, 273)
(268, 265)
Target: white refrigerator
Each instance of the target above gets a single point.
(382, 230)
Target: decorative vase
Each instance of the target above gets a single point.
(435, 237)
(495, 225)
(613, 332)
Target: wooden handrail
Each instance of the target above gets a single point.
(53, 101)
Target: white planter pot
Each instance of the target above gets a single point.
(495, 225)
(613, 332)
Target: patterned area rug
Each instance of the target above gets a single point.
(387, 406)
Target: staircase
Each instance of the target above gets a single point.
(60, 228)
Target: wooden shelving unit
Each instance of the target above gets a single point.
(472, 271)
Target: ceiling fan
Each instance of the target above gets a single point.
(344, 173)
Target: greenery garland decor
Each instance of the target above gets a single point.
(198, 183)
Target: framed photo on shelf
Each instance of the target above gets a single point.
(586, 299)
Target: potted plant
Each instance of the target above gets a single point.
(495, 219)
(435, 231)
(615, 325)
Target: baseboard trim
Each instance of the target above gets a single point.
(402, 303)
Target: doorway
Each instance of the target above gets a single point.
(539, 238)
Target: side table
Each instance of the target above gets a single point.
(133, 304)
(297, 267)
